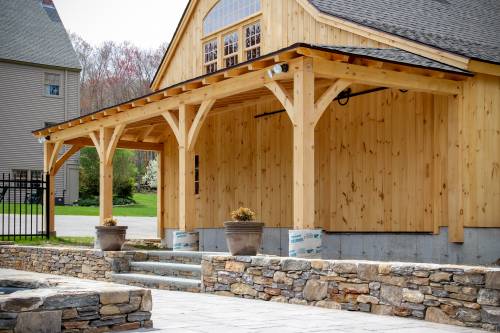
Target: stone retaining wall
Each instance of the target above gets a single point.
(457, 295)
(77, 262)
(62, 304)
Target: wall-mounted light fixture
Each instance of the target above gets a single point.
(42, 140)
(277, 69)
(344, 96)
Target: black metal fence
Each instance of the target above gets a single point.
(24, 207)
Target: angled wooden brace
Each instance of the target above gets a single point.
(53, 157)
(284, 97)
(110, 151)
(72, 151)
(199, 119)
(328, 96)
(174, 124)
(95, 139)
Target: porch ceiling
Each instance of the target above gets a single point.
(145, 126)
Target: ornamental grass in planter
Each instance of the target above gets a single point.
(243, 233)
(109, 236)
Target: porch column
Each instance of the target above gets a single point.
(160, 191)
(186, 239)
(304, 240)
(105, 142)
(105, 176)
(50, 152)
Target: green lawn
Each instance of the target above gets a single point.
(145, 206)
(78, 241)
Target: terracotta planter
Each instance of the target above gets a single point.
(243, 238)
(110, 238)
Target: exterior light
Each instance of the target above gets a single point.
(42, 140)
(277, 69)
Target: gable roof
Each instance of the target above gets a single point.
(33, 33)
(465, 27)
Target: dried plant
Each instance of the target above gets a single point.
(243, 214)
(110, 222)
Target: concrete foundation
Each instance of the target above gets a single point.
(481, 245)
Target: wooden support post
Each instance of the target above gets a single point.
(50, 151)
(186, 169)
(303, 146)
(456, 168)
(105, 176)
(161, 193)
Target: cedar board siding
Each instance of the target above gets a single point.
(293, 25)
(382, 164)
(24, 107)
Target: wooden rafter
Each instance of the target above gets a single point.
(123, 144)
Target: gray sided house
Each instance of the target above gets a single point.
(39, 86)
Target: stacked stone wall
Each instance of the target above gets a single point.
(449, 294)
(77, 262)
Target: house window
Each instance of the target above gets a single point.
(227, 12)
(252, 40)
(20, 176)
(210, 56)
(196, 174)
(52, 83)
(36, 177)
(231, 49)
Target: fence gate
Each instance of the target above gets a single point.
(24, 207)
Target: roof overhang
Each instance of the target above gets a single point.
(254, 74)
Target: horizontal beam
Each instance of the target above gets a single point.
(122, 144)
(218, 90)
(384, 78)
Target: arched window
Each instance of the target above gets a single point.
(226, 12)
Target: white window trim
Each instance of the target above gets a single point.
(61, 92)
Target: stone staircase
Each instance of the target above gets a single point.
(169, 270)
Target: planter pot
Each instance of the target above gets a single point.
(110, 238)
(243, 238)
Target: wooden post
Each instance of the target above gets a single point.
(160, 189)
(105, 176)
(455, 169)
(303, 146)
(48, 152)
(186, 170)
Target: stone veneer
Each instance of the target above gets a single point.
(449, 294)
(77, 262)
(56, 304)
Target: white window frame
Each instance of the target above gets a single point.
(44, 85)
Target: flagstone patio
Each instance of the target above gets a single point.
(188, 313)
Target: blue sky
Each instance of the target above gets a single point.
(146, 23)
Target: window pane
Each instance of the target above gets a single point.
(227, 12)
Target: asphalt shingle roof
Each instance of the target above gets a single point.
(394, 55)
(466, 27)
(32, 33)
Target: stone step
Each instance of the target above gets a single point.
(181, 257)
(188, 271)
(157, 282)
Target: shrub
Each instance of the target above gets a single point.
(124, 173)
(94, 202)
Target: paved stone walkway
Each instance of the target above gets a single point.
(138, 227)
(187, 312)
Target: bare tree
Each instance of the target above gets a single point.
(113, 73)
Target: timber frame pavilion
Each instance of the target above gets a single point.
(314, 78)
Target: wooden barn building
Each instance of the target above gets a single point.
(377, 122)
